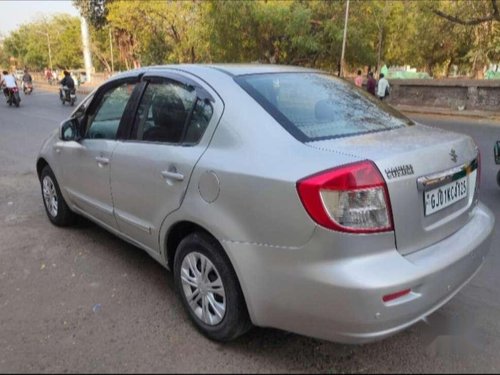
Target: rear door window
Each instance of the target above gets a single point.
(171, 113)
(315, 106)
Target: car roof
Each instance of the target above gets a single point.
(235, 69)
(210, 71)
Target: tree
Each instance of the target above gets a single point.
(483, 31)
(492, 13)
(95, 11)
(38, 44)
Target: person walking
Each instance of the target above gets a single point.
(383, 87)
(371, 84)
(358, 81)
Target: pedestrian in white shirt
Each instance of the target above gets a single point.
(383, 87)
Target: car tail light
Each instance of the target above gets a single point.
(352, 198)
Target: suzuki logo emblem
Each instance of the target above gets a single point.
(453, 155)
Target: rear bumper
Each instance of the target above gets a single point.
(333, 289)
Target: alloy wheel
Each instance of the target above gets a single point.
(50, 196)
(203, 288)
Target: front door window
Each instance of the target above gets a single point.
(104, 123)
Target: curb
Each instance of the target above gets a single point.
(490, 115)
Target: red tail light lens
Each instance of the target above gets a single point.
(352, 198)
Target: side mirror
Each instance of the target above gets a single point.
(496, 151)
(68, 130)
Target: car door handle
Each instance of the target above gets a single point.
(101, 160)
(172, 175)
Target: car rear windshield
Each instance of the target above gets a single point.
(316, 106)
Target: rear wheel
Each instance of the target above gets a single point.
(209, 289)
(55, 206)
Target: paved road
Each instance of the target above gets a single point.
(81, 300)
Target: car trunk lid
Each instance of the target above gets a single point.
(430, 176)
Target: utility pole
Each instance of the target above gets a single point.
(87, 58)
(111, 47)
(341, 72)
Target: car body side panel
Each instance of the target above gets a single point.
(253, 177)
(86, 180)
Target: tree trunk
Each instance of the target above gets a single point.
(428, 67)
(448, 66)
(193, 55)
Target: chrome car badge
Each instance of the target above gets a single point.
(453, 155)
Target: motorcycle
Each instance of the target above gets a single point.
(67, 95)
(27, 88)
(12, 95)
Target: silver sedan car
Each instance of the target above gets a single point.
(279, 197)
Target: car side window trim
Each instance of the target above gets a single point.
(155, 77)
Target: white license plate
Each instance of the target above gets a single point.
(444, 196)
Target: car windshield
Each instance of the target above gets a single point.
(315, 106)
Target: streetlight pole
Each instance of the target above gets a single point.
(341, 70)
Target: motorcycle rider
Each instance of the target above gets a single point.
(27, 79)
(67, 84)
(8, 82)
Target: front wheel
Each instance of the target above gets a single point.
(209, 289)
(55, 206)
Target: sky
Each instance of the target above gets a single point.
(16, 12)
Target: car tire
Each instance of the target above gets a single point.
(498, 178)
(235, 320)
(56, 207)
